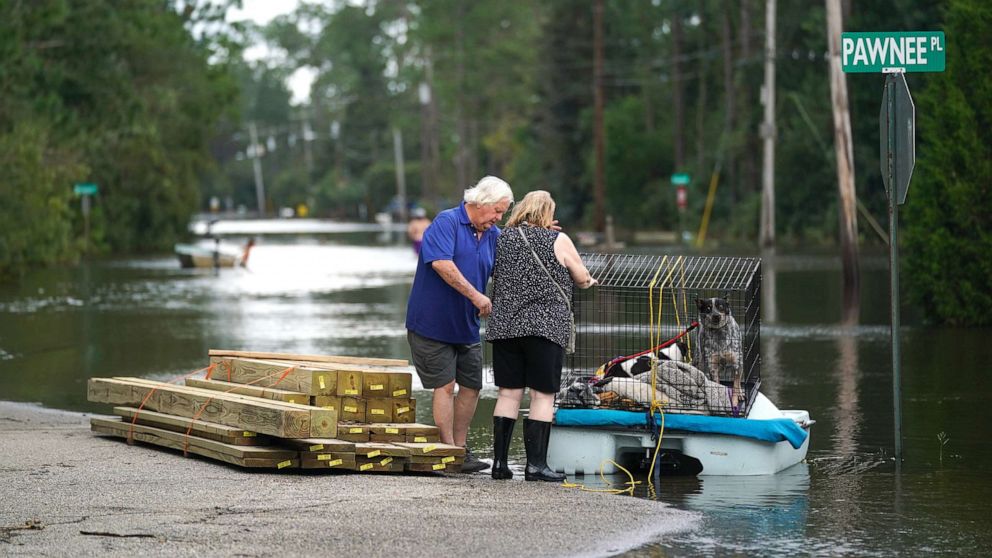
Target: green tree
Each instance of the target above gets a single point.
(948, 212)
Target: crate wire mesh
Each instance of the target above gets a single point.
(642, 300)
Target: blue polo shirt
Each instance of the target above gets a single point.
(435, 309)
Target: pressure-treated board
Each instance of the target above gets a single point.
(350, 382)
(254, 391)
(275, 418)
(353, 432)
(327, 402)
(433, 467)
(375, 449)
(310, 358)
(289, 376)
(381, 464)
(319, 445)
(404, 410)
(244, 456)
(432, 449)
(378, 410)
(332, 460)
(400, 384)
(352, 408)
(322, 421)
(389, 432)
(375, 384)
(208, 430)
(422, 433)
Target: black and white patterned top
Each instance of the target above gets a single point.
(525, 303)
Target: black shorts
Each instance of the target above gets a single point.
(533, 362)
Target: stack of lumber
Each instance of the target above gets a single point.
(279, 410)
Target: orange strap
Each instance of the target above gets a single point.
(282, 376)
(130, 431)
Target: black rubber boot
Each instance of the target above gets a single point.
(502, 433)
(536, 436)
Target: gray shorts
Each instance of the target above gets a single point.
(439, 363)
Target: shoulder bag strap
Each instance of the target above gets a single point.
(540, 263)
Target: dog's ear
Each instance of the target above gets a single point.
(699, 303)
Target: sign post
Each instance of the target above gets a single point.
(85, 190)
(894, 54)
(681, 181)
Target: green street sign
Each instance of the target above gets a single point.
(85, 189)
(680, 179)
(890, 52)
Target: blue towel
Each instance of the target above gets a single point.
(770, 430)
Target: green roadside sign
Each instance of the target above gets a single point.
(890, 52)
(85, 189)
(680, 179)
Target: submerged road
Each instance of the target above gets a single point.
(66, 491)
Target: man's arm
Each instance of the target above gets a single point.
(449, 272)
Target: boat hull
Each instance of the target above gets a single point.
(589, 450)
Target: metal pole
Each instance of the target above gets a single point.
(890, 92)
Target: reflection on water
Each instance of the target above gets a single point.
(347, 294)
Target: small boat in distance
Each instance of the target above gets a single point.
(200, 256)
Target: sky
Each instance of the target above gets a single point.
(261, 12)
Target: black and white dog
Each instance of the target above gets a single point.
(717, 351)
(631, 367)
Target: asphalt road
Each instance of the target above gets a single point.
(65, 491)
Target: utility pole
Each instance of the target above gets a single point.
(767, 233)
(599, 184)
(308, 136)
(256, 163)
(844, 153)
(400, 172)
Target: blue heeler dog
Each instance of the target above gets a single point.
(717, 351)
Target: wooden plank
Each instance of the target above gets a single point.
(381, 464)
(337, 461)
(275, 418)
(300, 378)
(335, 366)
(332, 402)
(309, 358)
(400, 384)
(323, 422)
(389, 432)
(350, 383)
(432, 449)
(319, 445)
(404, 410)
(424, 438)
(449, 459)
(375, 384)
(352, 408)
(353, 432)
(433, 467)
(253, 391)
(208, 430)
(379, 410)
(264, 457)
(376, 449)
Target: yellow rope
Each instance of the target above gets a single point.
(629, 490)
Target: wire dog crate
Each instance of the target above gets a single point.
(643, 302)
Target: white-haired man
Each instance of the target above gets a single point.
(446, 302)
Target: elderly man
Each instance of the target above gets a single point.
(446, 302)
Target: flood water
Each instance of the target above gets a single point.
(346, 294)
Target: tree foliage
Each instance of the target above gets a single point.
(115, 93)
(948, 211)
